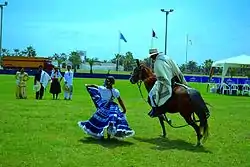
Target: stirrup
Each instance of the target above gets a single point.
(168, 120)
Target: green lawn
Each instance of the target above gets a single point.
(45, 133)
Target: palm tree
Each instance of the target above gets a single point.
(91, 63)
(17, 52)
(30, 51)
(5, 52)
(207, 65)
(119, 60)
(75, 58)
(128, 61)
(192, 66)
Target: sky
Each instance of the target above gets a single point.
(217, 28)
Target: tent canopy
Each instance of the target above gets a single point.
(237, 62)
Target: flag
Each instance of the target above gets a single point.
(122, 37)
(153, 34)
(190, 42)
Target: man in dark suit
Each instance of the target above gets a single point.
(39, 94)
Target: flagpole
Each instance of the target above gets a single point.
(119, 43)
(119, 51)
(187, 48)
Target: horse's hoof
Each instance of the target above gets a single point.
(198, 145)
(108, 137)
(163, 136)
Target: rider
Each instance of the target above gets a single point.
(167, 72)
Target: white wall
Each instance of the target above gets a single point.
(102, 66)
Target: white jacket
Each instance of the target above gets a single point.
(165, 69)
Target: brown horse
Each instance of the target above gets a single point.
(184, 100)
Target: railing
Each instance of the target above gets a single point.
(189, 78)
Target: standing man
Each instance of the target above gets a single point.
(167, 72)
(68, 83)
(21, 83)
(41, 81)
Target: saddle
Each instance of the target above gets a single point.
(176, 82)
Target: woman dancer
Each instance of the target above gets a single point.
(55, 87)
(108, 114)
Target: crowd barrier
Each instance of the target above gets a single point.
(189, 78)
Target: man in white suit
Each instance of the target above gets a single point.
(165, 70)
(68, 81)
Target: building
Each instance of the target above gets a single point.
(83, 55)
(101, 66)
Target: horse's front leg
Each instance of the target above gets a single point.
(161, 119)
(109, 136)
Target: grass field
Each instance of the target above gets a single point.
(45, 133)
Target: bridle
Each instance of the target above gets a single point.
(139, 87)
(140, 82)
(164, 115)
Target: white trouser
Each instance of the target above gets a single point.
(68, 94)
(159, 94)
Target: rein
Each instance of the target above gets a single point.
(139, 87)
(181, 126)
(164, 115)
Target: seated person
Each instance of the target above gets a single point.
(108, 114)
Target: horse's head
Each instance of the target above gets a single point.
(140, 73)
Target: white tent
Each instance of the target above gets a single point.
(236, 62)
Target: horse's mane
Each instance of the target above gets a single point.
(147, 69)
(150, 78)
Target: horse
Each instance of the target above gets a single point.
(184, 100)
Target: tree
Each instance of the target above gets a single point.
(91, 63)
(118, 60)
(1, 60)
(207, 64)
(5, 52)
(75, 58)
(248, 74)
(29, 52)
(128, 62)
(60, 58)
(232, 72)
(147, 61)
(17, 52)
(192, 66)
(182, 67)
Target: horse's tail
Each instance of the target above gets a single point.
(201, 111)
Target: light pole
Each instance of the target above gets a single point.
(166, 29)
(1, 27)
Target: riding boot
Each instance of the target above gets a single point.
(207, 114)
(152, 112)
(169, 121)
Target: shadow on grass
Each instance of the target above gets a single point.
(163, 144)
(111, 143)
